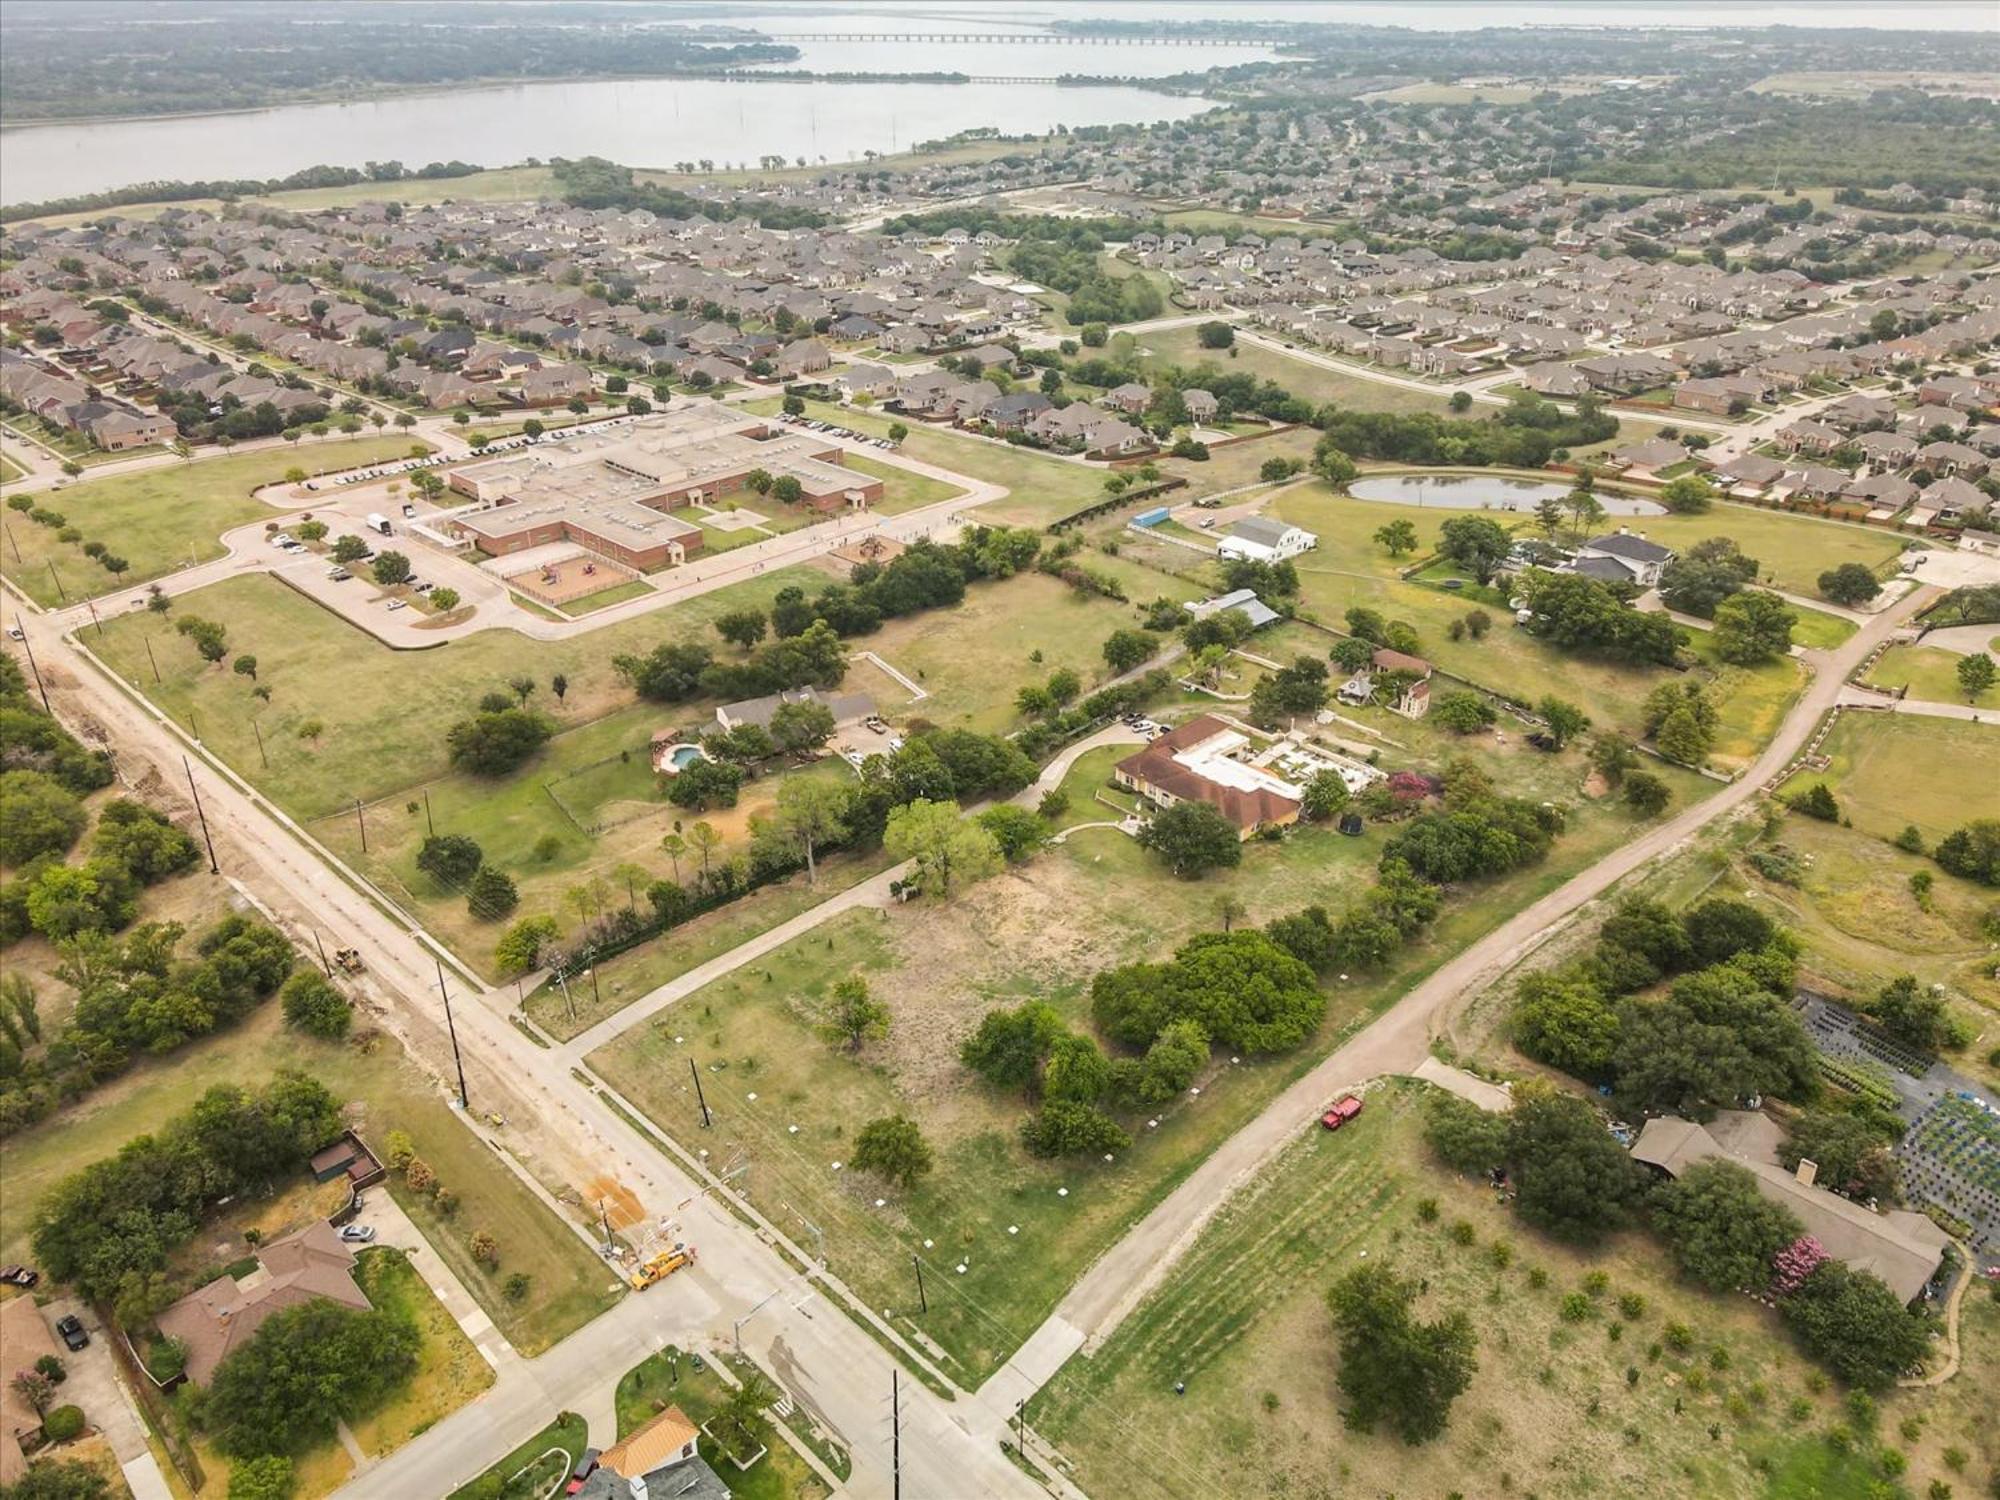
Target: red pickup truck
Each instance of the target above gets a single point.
(1341, 1113)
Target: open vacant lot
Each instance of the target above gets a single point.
(790, 1102)
(1793, 550)
(1557, 1409)
(1313, 382)
(161, 520)
(1890, 770)
(1928, 672)
(382, 714)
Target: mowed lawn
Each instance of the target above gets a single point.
(1303, 378)
(1043, 489)
(567, 1285)
(382, 713)
(1930, 673)
(1023, 1229)
(1242, 1323)
(1792, 550)
(161, 520)
(1892, 770)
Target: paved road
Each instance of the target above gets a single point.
(572, 1135)
(1399, 1039)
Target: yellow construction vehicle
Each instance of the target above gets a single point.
(664, 1264)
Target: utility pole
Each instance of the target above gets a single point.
(38, 673)
(429, 826)
(1020, 1427)
(60, 594)
(213, 867)
(362, 823)
(452, 1027)
(322, 954)
(700, 1098)
(93, 618)
(255, 729)
(150, 658)
(896, 1428)
(923, 1302)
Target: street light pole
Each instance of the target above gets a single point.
(38, 673)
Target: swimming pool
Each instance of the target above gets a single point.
(683, 756)
(1483, 492)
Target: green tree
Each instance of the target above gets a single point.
(1325, 795)
(391, 568)
(349, 549)
(893, 1148)
(449, 858)
(801, 726)
(495, 743)
(1126, 650)
(1009, 1046)
(38, 817)
(856, 1016)
(1397, 537)
(1463, 712)
(1687, 495)
(813, 813)
(1976, 673)
(742, 627)
(304, 1370)
(316, 1007)
(491, 894)
(1394, 1368)
(1572, 1177)
(1850, 584)
(1753, 627)
(1816, 801)
(1017, 831)
(1971, 852)
(943, 845)
(1062, 1127)
(1721, 1228)
(1717, 1039)
(1193, 838)
(1463, 1136)
(1850, 1149)
(1646, 794)
(1215, 335)
(1916, 1016)
(1854, 1325)
(1565, 720)
(1476, 543)
(520, 948)
(1563, 1019)
(1682, 739)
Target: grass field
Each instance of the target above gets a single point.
(1793, 550)
(1315, 383)
(1556, 1409)
(450, 1370)
(383, 712)
(1862, 924)
(1929, 672)
(618, 593)
(567, 1285)
(534, 1466)
(1890, 770)
(1044, 489)
(1039, 931)
(1820, 631)
(160, 520)
(669, 1378)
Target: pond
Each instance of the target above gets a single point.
(1482, 492)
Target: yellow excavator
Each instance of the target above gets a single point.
(659, 1267)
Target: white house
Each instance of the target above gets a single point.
(1261, 539)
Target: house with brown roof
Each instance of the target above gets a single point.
(1901, 1247)
(26, 1338)
(214, 1321)
(1206, 760)
(661, 1461)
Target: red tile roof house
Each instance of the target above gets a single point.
(214, 1321)
(1195, 763)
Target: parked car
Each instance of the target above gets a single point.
(74, 1335)
(1341, 1113)
(357, 1234)
(399, 604)
(19, 1275)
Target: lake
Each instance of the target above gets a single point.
(1482, 492)
(646, 122)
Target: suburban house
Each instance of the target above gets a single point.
(1902, 1247)
(1255, 610)
(661, 1461)
(1650, 456)
(1261, 539)
(26, 1338)
(846, 708)
(1413, 694)
(1621, 557)
(214, 1321)
(1201, 762)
